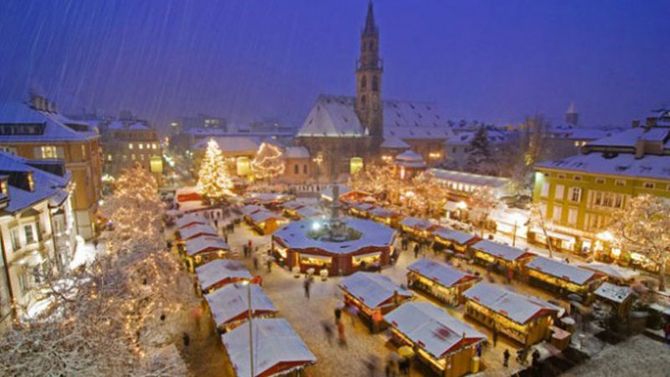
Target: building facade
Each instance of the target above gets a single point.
(37, 131)
(577, 195)
(37, 232)
(127, 143)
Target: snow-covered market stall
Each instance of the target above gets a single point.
(523, 318)
(229, 305)
(493, 253)
(277, 349)
(447, 345)
(217, 273)
(203, 249)
(454, 239)
(374, 295)
(565, 278)
(196, 230)
(266, 222)
(440, 280)
(417, 228)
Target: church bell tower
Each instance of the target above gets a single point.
(369, 81)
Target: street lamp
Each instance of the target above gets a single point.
(247, 283)
(517, 218)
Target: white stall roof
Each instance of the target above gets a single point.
(264, 215)
(231, 302)
(195, 230)
(453, 235)
(382, 212)
(201, 244)
(432, 328)
(251, 209)
(415, 222)
(561, 270)
(499, 250)
(442, 273)
(307, 212)
(218, 270)
(615, 293)
(372, 288)
(611, 270)
(190, 219)
(275, 342)
(519, 308)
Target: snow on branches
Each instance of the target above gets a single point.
(268, 163)
(214, 182)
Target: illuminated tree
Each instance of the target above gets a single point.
(480, 156)
(268, 163)
(482, 202)
(643, 227)
(214, 182)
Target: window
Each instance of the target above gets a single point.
(30, 234)
(556, 215)
(575, 194)
(16, 240)
(561, 176)
(577, 177)
(10, 150)
(141, 146)
(154, 146)
(48, 152)
(296, 169)
(572, 216)
(109, 157)
(125, 157)
(600, 180)
(133, 157)
(649, 185)
(364, 82)
(130, 146)
(558, 193)
(304, 169)
(544, 192)
(620, 182)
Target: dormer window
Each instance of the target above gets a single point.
(31, 181)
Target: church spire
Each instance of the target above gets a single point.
(370, 27)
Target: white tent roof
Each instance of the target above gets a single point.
(190, 219)
(251, 208)
(231, 302)
(453, 235)
(561, 270)
(195, 230)
(431, 328)
(201, 244)
(468, 178)
(211, 273)
(519, 308)
(611, 270)
(275, 342)
(499, 250)
(372, 288)
(442, 273)
(415, 222)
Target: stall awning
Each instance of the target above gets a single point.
(314, 256)
(368, 255)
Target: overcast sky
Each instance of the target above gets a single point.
(252, 59)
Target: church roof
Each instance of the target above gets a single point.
(334, 116)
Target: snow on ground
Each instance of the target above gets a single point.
(637, 356)
(85, 253)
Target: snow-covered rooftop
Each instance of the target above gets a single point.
(615, 293)
(468, 178)
(197, 230)
(561, 270)
(230, 303)
(372, 289)
(431, 328)
(393, 142)
(519, 308)
(410, 159)
(204, 243)
(275, 343)
(39, 126)
(499, 250)
(296, 152)
(264, 215)
(415, 222)
(218, 270)
(250, 209)
(373, 234)
(453, 235)
(441, 273)
(629, 137)
(190, 219)
(611, 270)
(624, 164)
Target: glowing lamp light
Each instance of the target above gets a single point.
(316, 226)
(606, 236)
(461, 205)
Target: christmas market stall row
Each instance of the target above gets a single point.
(440, 280)
(263, 220)
(373, 295)
(198, 242)
(526, 319)
(565, 278)
(447, 345)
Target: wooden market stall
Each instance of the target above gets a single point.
(196, 230)
(523, 318)
(493, 253)
(621, 298)
(190, 219)
(385, 216)
(277, 349)
(266, 222)
(440, 280)
(447, 345)
(374, 295)
(454, 239)
(229, 305)
(361, 209)
(220, 272)
(562, 277)
(203, 249)
(417, 228)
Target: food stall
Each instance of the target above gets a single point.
(190, 219)
(373, 294)
(454, 239)
(493, 253)
(523, 318)
(384, 215)
(620, 298)
(440, 280)
(417, 228)
(277, 349)
(217, 273)
(265, 222)
(229, 305)
(361, 209)
(196, 230)
(447, 345)
(203, 249)
(562, 277)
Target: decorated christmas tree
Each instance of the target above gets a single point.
(268, 163)
(214, 182)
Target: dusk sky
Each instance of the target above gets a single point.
(250, 59)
